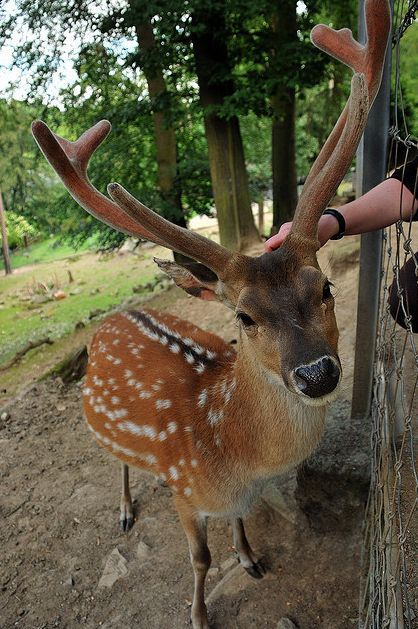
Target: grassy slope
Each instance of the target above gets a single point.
(44, 251)
(99, 283)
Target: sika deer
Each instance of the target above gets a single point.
(165, 396)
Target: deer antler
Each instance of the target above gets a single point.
(338, 151)
(70, 161)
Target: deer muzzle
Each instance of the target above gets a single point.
(318, 378)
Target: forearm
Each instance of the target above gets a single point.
(380, 207)
(385, 204)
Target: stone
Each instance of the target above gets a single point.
(143, 551)
(333, 483)
(286, 623)
(115, 568)
(235, 581)
(276, 499)
(228, 564)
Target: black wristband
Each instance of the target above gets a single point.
(341, 222)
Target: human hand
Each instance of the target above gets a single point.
(328, 226)
(276, 241)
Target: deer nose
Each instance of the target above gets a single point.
(317, 379)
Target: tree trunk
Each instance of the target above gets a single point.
(226, 152)
(283, 128)
(164, 133)
(260, 204)
(5, 242)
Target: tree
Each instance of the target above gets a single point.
(4, 239)
(225, 147)
(283, 103)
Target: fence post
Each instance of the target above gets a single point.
(371, 170)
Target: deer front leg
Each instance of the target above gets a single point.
(126, 518)
(248, 560)
(195, 527)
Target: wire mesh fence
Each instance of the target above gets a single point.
(389, 596)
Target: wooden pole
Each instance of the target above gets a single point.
(5, 242)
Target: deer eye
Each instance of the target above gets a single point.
(245, 319)
(326, 291)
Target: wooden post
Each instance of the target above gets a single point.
(5, 242)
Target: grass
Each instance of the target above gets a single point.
(45, 251)
(100, 283)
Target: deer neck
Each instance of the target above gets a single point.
(267, 426)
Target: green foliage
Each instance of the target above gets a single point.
(111, 84)
(17, 228)
(256, 132)
(409, 78)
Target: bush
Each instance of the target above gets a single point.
(17, 228)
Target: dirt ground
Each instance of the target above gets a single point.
(59, 524)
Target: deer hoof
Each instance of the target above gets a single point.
(126, 523)
(126, 518)
(257, 570)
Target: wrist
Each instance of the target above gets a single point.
(328, 227)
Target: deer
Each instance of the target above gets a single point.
(215, 423)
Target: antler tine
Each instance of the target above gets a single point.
(70, 160)
(323, 188)
(194, 245)
(365, 59)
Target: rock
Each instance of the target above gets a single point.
(213, 572)
(59, 294)
(236, 580)
(333, 483)
(69, 581)
(96, 313)
(228, 564)
(143, 551)
(5, 416)
(114, 569)
(285, 623)
(276, 499)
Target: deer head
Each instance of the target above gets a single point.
(283, 302)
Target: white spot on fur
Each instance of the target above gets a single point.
(114, 399)
(189, 358)
(174, 473)
(175, 348)
(202, 399)
(199, 368)
(162, 404)
(187, 491)
(215, 416)
(172, 427)
(193, 463)
(162, 435)
(139, 431)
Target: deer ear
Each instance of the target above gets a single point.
(196, 279)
